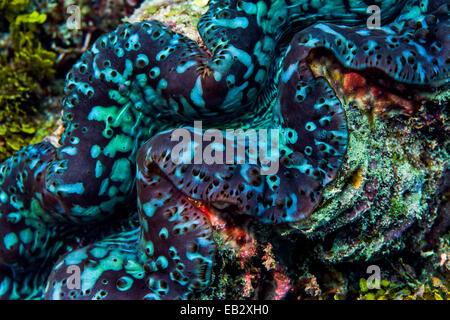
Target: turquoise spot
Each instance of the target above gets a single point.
(98, 169)
(121, 170)
(154, 72)
(164, 233)
(142, 60)
(133, 43)
(103, 187)
(10, 240)
(149, 248)
(68, 188)
(3, 196)
(308, 150)
(95, 151)
(124, 283)
(162, 261)
(187, 65)
(75, 257)
(99, 253)
(112, 191)
(71, 151)
(310, 126)
(26, 236)
(4, 286)
(197, 93)
(238, 22)
(149, 209)
(120, 143)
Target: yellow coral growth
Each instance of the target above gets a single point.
(22, 66)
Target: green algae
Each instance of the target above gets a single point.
(407, 288)
(23, 64)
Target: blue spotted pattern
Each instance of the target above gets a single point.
(140, 81)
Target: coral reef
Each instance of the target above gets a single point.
(353, 176)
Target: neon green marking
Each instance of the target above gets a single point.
(134, 269)
(112, 191)
(116, 96)
(99, 113)
(121, 170)
(36, 209)
(114, 261)
(120, 142)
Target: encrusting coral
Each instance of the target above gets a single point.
(126, 94)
